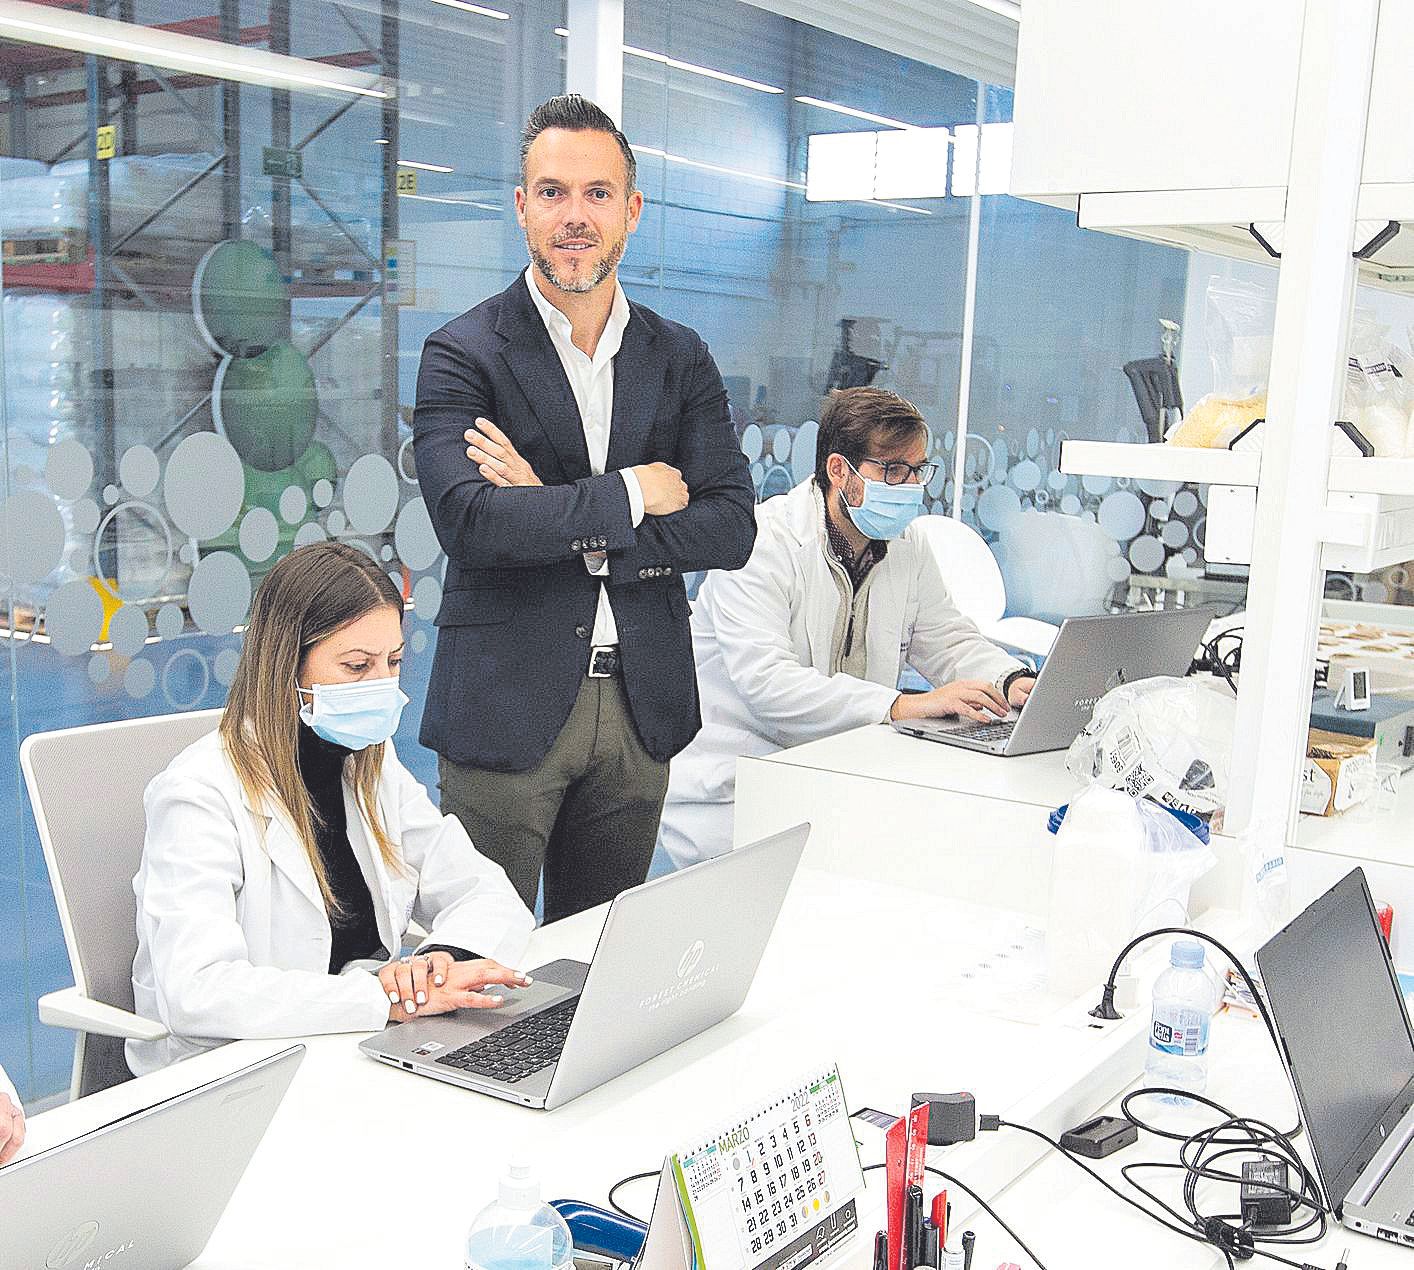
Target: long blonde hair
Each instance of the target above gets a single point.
(313, 592)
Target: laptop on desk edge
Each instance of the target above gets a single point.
(1091, 655)
(1353, 1084)
(676, 955)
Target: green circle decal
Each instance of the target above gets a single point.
(266, 406)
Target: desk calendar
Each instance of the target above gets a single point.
(773, 1190)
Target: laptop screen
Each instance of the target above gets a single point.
(1337, 1005)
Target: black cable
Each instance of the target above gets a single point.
(619, 1185)
(982, 1203)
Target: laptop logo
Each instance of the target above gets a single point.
(691, 959)
(692, 976)
(71, 1246)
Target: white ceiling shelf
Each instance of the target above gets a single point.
(1163, 463)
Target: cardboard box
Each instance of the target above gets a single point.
(1339, 771)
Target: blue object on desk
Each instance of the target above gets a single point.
(600, 1232)
(1198, 828)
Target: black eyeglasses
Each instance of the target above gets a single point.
(897, 472)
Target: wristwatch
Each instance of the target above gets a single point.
(1005, 681)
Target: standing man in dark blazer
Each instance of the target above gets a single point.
(577, 458)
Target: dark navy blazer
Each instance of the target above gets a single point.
(518, 605)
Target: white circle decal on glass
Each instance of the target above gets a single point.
(1057, 482)
(260, 534)
(1185, 503)
(385, 553)
(204, 486)
(136, 525)
(218, 594)
(185, 679)
(169, 621)
(85, 514)
(407, 467)
(139, 471)
(780, 445)
(323, 493)
(74, 617)
(1070, 505)
(140, 678)
(997, 507)
(427, 597)
(186, 553)
(752, 442)
(419, 641)
(1096, 484)
(414, 536)
(1117, 569)
(1175, 534)
(68, 469)
(1156, 488)
(127, 630)
(802, 453)
(1033, 443)
(1146, 554)
(31, 536)
(371, 494)
(1200, 533)
(1026, 475)
(309, 533)
(99, 668)
(224, 664)
(336, 524)
(293, 504)
(1122, 515)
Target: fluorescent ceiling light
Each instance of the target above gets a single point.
(458, 202)
(480, 9)
(380, 141)
(150, 46)
(840, 165)
(853, 113)
(693, 69)
(964, 160)
(994, 171)
(1002, 8)
(714, 167)
(425, 167)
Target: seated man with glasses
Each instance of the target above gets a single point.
(810, 638)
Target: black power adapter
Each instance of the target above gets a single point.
(1266, 1203)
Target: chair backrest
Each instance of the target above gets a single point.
(969, 569)
(85, 786)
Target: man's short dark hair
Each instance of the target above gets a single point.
(575, 114)
(854, 421)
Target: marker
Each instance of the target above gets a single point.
(912, 1226)
(931, 1252)
(969, 1241)
(881, 1250)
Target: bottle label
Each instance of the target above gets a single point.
(1182, 1033)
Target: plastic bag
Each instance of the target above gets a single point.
(1165, 739)
(1238, 320)
(1377, 397)
(1121, 865)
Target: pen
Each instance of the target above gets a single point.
(929, 1254)
(969, 1241)
(881, 1250)
(912, 1226)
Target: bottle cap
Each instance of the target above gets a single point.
(520, 1188)
(1187, 953)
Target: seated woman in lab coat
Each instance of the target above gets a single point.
(12, 1120)
(287, 851)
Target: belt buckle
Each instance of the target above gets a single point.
(605, 656)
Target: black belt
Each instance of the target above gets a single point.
(604, 661)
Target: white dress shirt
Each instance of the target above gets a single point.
(592, 382)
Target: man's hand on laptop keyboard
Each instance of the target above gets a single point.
(967, 698)
(436, 984)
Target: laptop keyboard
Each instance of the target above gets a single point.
(521, 1049)
(987, 731)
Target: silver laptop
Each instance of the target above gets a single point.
(1091, 655)
(147, 1189)
(1354, 1084)
(676, 956)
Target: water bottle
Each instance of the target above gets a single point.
(517, 1231)
(1178, 1031)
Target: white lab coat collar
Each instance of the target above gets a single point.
(561, 328)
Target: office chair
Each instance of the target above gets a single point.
(974, 580)
(85, 786)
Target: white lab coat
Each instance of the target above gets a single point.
(761, 637)
(233, 935)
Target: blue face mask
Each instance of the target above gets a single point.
(354, 715)
(887, 510)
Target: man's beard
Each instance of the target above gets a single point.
(588, 282)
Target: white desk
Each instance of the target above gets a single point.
(970, 826)
(368, 1166)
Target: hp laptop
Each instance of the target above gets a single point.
(145, 1190)
(1091, 655)
(676, 956)
(1354, 1083)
